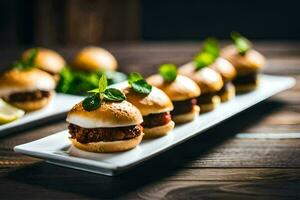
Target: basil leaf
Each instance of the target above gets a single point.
(134, 76)
(96, 90)
(92, 102)
(211, 46)
(141, 86)
(102, 84)
(113, 94)
(203, 59)
(168, 72)
(31, 57)
(241, 43)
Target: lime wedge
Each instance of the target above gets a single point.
(9, 113)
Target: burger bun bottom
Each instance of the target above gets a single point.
(228, 93)
(244, 88)
(215, 101)
(158, 131)
(108, 147)
(186, 117)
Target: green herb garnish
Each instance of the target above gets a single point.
(211, 46)
(138, 84)
(241, 43)
(203, 59)
(93, 101)
(168, 72)
(28, 62)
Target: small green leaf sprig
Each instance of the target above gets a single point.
(208, 54)
(139, 84)
(27, 63)
(168, 72)
(242, 44)
(92, 102)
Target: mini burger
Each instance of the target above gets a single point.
(181, 90)
(152, 102)
(247, 62)
(209, 81)
(105, 122)
(94, 59)
(28, 89)
(46, 60)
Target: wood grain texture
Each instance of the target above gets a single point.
(216, 165)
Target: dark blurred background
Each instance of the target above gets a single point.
(81, 22)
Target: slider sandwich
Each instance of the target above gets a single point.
(152, 102)
(182, 90)
(94, 59)
(247, 62)
(105, 122)
(45, 59)
(223, 67)
(28, 89)
(209, 81)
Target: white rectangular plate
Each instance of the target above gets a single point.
(59, 105)
(57, 149)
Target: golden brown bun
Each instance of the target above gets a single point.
(180, 89)
(224, 68)
(207, 79)
(109, 147)
(215, 101)
(155, 102)
(94, 59)
(109, 114)
(158, 131)
(243, 88)
(47, 60)
(187, 117)
(228, 93)
(25, 80)
(251, 61)
(29, 106)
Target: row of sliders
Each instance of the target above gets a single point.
(117, 119)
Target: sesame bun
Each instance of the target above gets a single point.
(158, 131)
(215, 101)
(155, 102)
(108, 147)
(94, 59)
(47, 60)
(29, 106)
(186, 117)
(109, 114)
(25, 80)
(224, 68)
(251, 61)
(182, 88)
(207, 79)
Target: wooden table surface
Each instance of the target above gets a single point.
(230, 161)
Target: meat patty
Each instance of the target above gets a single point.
(246, 79)
(157, 119)
(87, 135)
(28, 96)
(205, 98)
(181, 107)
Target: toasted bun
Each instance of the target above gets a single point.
(109, 114)
(47, 60)
(25, 80)
(251, 61)
(108, 147)
(207, 79)
(224, 68)
(158, 131)
(155, 102)
(187, 117)
(215, 101)
(228, 93)
(94, 59)
(180, 89)
(243, 88)
(29, 106)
